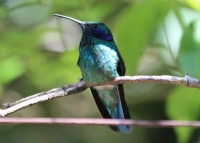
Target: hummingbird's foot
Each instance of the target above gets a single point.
(6, 105)
(80, 79)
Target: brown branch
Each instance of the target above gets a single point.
(91, 121)
(80, 86)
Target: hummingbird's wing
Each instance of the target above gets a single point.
(102, 108)
(121, 69)
(122, 109)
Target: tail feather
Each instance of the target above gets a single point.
(118, 114)
(121, 112)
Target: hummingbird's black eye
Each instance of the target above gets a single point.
(94, 26)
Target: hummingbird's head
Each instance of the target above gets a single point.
(92, 29)
(97, 30)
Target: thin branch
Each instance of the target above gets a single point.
(91, 121)
(80, 86)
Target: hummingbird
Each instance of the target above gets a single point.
(100, 61)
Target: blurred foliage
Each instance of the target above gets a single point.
(39, 52)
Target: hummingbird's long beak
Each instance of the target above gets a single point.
(75, 20)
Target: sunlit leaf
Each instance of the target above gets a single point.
(10, 69)
(195, 4)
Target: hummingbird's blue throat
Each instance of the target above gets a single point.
(108, 38)
(102, 34)
(105, 37)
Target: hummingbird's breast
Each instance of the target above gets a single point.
(98, 63)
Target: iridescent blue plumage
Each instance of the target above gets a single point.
(100, 61)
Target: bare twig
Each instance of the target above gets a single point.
(80, 86)
(91, 121)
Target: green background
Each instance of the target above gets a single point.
(39, 52)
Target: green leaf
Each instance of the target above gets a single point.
(194, 4)
(10, 69)
(189, 53)
(134, 28)
(183, 104)
(37, 14)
